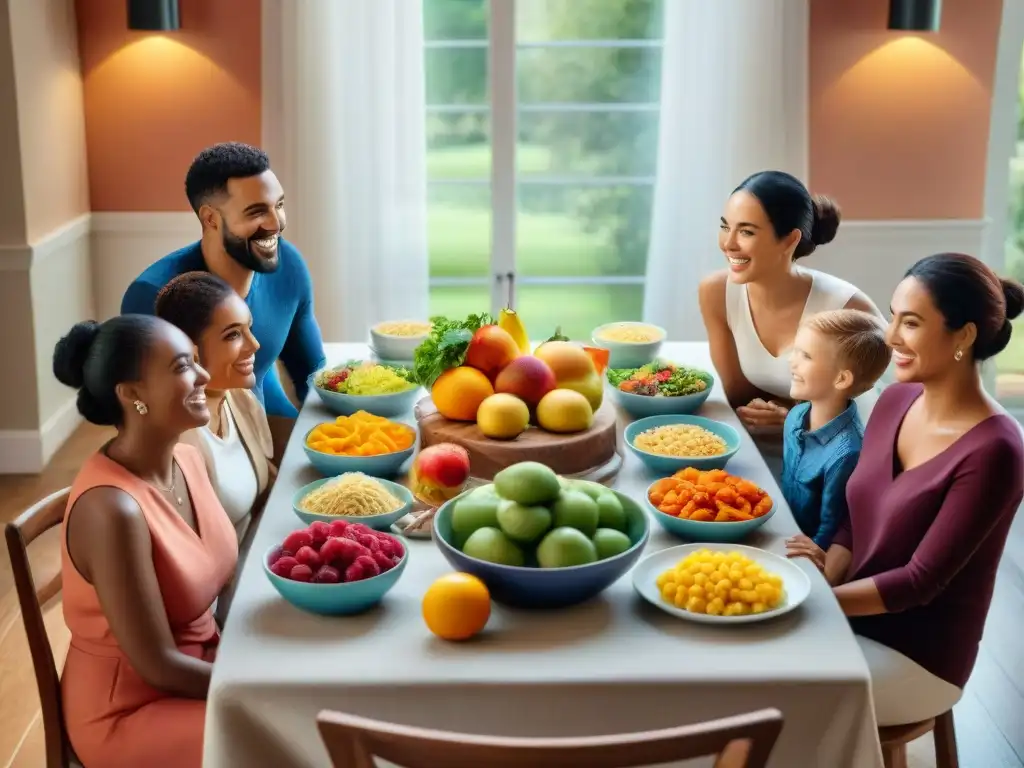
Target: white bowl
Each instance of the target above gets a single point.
(629, 354)
(391, 347)
(795, 583)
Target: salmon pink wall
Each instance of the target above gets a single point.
(154, 100)
(899, 121)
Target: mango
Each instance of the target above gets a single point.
(575, 509)
(528, 482)
(564, 411)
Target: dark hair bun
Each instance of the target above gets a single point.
(71, 352)
(95, 412)
(826, 220)
(1014, 293)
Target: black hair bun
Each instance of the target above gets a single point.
(826, 220)
(71, 352)
(1014, 293)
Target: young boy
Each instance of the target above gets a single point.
(836, 357)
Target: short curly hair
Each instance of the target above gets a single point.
(209, 173)
(189, 300)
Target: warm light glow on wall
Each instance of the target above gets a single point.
(907, 74)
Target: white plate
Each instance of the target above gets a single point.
(794, 581)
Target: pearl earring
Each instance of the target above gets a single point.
(959, 355)
(141, 407)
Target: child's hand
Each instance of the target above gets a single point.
(802, 546)
(762, 417)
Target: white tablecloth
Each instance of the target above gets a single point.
(612, 665)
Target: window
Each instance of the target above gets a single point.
(1010, 363)
(542, 121)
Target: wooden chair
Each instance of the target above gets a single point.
(744, 741)
(32, 523)
(895, 738)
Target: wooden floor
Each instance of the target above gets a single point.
(989, 720)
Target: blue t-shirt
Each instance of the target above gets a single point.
(815, 468)
(281, 303)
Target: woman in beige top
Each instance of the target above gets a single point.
(236, 445)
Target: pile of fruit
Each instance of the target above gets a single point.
(486, 374)
(712, 496)
(531, 517)
(335, 553)
(720, 584)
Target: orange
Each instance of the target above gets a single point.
(458, 392)
(456, 606)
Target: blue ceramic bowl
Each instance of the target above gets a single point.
(526, 587)
(629, 354)
(699, 531)
(377, 522)
(666, 465)
(642, 406)
(395, 404)
(384, 465)
(335, 599)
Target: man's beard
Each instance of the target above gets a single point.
(241, 250)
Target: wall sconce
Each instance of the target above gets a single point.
(915, 15)
(153, 15)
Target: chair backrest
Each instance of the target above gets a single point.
(744, 741)
(20, 533)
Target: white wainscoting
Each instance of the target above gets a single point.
(58, 266)
(124, 244)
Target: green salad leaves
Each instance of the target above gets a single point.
(445, 347)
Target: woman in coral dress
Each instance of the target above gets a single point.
(146, 549)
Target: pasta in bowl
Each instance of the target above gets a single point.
(672, 442)
(355, 498)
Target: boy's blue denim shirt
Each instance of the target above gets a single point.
(816, 466)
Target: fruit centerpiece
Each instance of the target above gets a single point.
(503, 404)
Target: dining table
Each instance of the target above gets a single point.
(613, 664)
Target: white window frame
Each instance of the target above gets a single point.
(1002, 147)
(504, 181)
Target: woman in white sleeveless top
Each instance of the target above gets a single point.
(752, 308)
(236, 445)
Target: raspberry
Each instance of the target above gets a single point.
(275, 554)
(309, 556)
(369, 541)
(369, 564)
(356, 572)
(350, 533)
(340, 551)
(390, 545)
(301, 572)
(319, 530)
(384, 562)
(360, 528)
(296, 540)
(338, 527)
(327, 575)
(283, 566)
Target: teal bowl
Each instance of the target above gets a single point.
(395, 404)
(377, 522)
(629, 354)
(699, 531)
(385, 465)
(642, 406)
(542, 588)
(335, 599)
(667, 465)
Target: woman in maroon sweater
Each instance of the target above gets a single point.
(939, 480)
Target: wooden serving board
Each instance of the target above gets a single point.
(592, 452)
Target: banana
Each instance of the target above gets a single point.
(508, 320)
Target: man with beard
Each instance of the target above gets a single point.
(240, 205)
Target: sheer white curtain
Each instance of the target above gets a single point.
(733, 101)
(344, 125)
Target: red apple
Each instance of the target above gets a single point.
(439, 472)
(529, 378)
(491, 349)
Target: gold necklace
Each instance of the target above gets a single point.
(171, 490)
